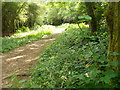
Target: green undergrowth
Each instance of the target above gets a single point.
(75, 60)
(9, 43)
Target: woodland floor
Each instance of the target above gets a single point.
(20, 60)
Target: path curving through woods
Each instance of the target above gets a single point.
(23, 58)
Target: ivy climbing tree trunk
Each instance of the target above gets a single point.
(90, 10)
(113, 21)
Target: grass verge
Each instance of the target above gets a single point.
(9, 43)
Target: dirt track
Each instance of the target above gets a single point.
(23, 58)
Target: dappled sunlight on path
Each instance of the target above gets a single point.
(20, 57)
(23, 58)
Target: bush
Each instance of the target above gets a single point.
(35, 15)
(23, 29)
(74, 60)
(61, 12)
(53, 17)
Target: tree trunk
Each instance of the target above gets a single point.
(113, 21)
(90, 10)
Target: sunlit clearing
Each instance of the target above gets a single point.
(43, 28)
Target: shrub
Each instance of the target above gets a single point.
(74, 60)
(23, 29)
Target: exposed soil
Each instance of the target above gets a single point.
(20, 60)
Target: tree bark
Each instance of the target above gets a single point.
(113, 22)
(93, 23)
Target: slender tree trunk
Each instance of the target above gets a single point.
(113, 21)
(90, 10)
